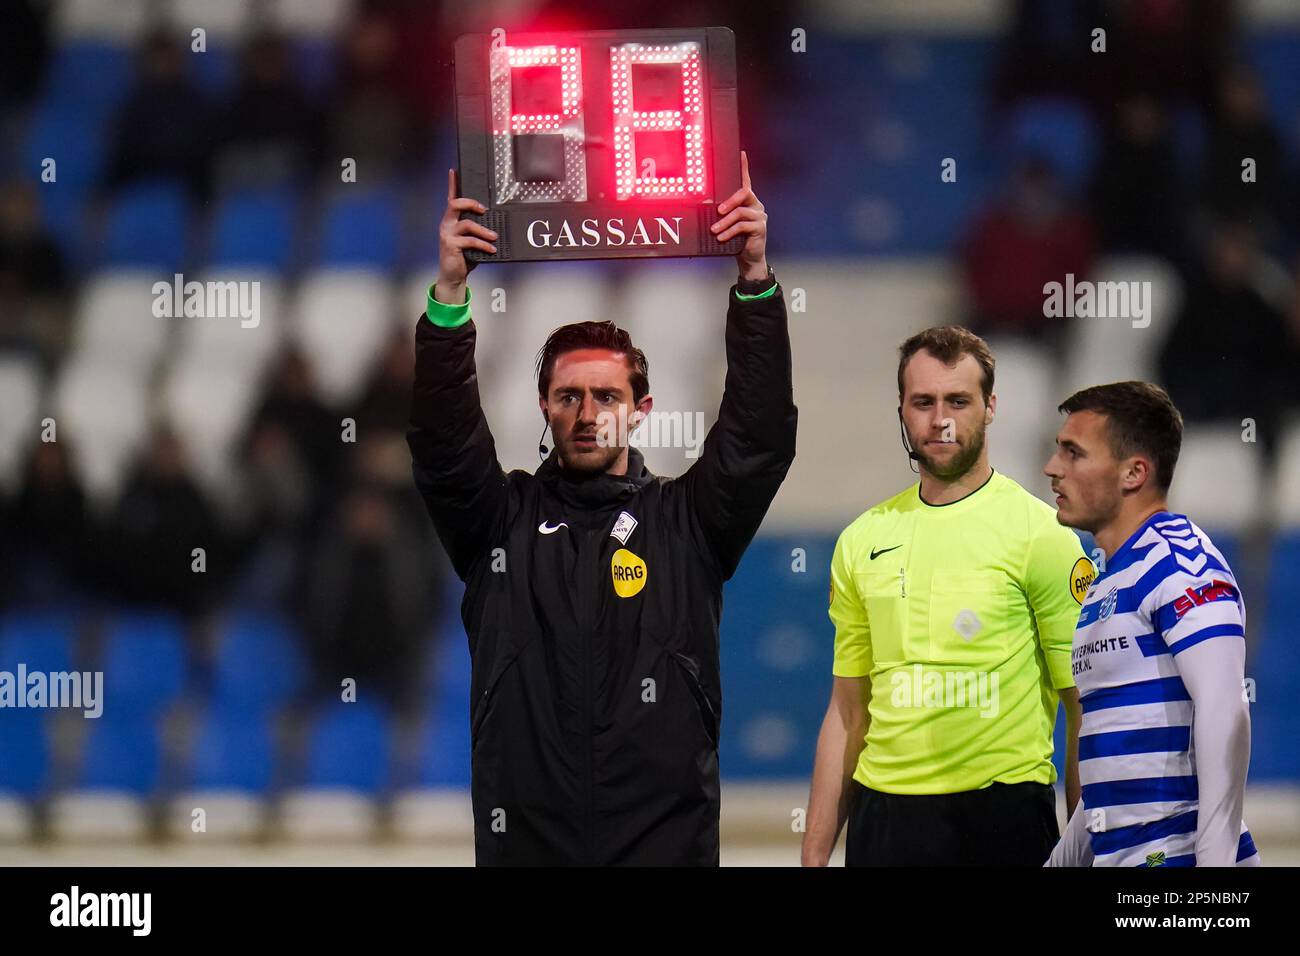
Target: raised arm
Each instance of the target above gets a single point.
(749, 449)
(453, 457)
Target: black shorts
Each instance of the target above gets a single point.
(1006, 824)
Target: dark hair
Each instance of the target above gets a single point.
(1140, 420)
(592, 335)
(948, 343)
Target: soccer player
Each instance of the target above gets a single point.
(1159, 650)
(593, 589)
(954, 603)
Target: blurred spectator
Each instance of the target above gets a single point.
(52, 544)
(1137, 193)
(160, 518)
(313, 431)
(1240, 128)
(1029, 237)
(367, 601)
(24, 52)
(1231, 354)
(167, 127)
(386, 404)
(33, 278)
(271, 130)
(369, 117)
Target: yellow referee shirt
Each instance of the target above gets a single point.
(962, 617)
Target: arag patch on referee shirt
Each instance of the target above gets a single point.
(629, 573)
(1081, 577)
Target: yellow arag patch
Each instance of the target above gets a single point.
(629, 573)
(1081, 576)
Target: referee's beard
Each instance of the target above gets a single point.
(968, 453)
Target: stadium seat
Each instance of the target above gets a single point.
(119, 769)
(1021, 436)
(105, 412)
(342, 320)
(115, 325)
(144, 663)
(76, 144)
(1219, 480)
(44, 641)
(360, 228)
(776, 643)
(254, 228)
(210, 404)
(347, 767)
(89, 78)
(231, 769)
(20, 397)
(311, 18)
(259, 666)
(146, 227)
(1057, 130)
(242, 346)
(1286, 479)
(687, 354)
(123, 22)
(1115, 350)
(25, 759)
(228, 20)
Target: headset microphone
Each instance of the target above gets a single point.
(542, 450)
(902, 434)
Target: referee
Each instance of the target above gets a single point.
(954, 605)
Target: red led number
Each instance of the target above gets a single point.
(658, 120)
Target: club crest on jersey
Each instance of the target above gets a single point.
(629, 573)
(623, 527)
(1081, 577)
(1108, 604)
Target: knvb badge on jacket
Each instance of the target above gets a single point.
(599, 144)
(623, 527)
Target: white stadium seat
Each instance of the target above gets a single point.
(1024, 427)
(122, 21)
(115, 321)
(1219, 478)
(319, 18)
(20, 396)
(229, 18)
(1286, 478)
(209, 406)
(223, 342)
(105, 412)
(342, 320)
(1112, 349)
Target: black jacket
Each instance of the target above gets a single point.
(594, 717)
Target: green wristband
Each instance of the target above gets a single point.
(447, 316)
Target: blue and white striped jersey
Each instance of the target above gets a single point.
(1165, 590)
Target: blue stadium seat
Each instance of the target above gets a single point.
(314, 58)
(776, 658)
(1059, 131)
(258, 664)
(444, 743)
(254, 228)
(77, 145)
(147, 227)
(216, 71)
(44, 642)
(360, 228)
(24, 752)
(233, 750)
(1274, 664)
(144, 662)
(89, 77)
(121, 753)
(348, 746)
